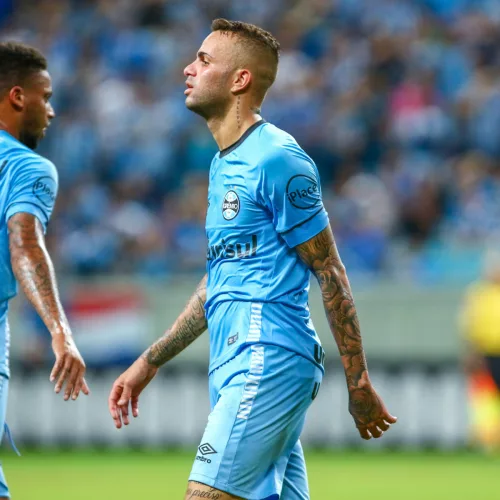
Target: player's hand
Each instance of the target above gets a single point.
(369, 412)
(69, 367)
(126, 391)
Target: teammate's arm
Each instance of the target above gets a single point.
(186, 329)
(35, 274)
(365, 405)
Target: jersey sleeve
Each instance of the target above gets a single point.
(291, 190)
(33, 189)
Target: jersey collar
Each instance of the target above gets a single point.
(240, 141)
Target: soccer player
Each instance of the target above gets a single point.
(267, 232)
(28, 189)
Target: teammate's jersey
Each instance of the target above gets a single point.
(264, 198)
(28, 183)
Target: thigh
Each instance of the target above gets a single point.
(295, 484)
(256, 423)
(199, 490)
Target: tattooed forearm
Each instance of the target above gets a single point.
(34, 271)
(321, 256)
(187, 328)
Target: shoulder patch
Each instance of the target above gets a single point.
(303, 192)
(44, 188)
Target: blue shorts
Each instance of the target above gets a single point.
(4, 389)
(251, 445)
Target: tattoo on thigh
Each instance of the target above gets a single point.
(212, 494)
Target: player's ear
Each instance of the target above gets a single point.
(241, 81)
(17, 98)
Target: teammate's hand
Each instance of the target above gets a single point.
(126, 390)
(69, 367)
(369, 412)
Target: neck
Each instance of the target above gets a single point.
(7, 124)
(227, 129)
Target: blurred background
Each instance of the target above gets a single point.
(397, 102)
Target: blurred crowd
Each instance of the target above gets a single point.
(397, 101)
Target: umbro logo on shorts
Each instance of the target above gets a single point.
(205, 449)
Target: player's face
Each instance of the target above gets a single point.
(209, 76)
(38, 111)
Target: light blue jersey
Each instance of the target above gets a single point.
(264, 198)
(266, 362)
(28, 183)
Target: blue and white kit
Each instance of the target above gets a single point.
(266, 361)
(28, 183)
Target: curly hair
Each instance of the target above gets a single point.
(18, 62)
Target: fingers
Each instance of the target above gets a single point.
(125, 396)
(114, 396)
(390, 418)
(69, 369)
(376, 429)
(363, 431)
(118, 404)
(369, 431)
(78, 385)
(85, 387)
(383, 425)
(123, 403)
(63, 375)
(135, 406)
(56, 369)
(72, 380)
(124, 410)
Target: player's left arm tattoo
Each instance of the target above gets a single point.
(320, 254)
(187, 328)
(34, 271)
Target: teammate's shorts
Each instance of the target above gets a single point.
(251, 445)
(4, 389)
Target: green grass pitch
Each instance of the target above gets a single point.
(122, 475)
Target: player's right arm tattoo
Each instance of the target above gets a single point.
(34, 271)
(320, 254)
(187, 328)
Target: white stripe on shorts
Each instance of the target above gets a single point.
(252, 386)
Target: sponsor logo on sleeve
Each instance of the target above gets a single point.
(44, 188)
(303, 192)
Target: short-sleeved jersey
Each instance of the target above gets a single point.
(264, 198)
(28, 183)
